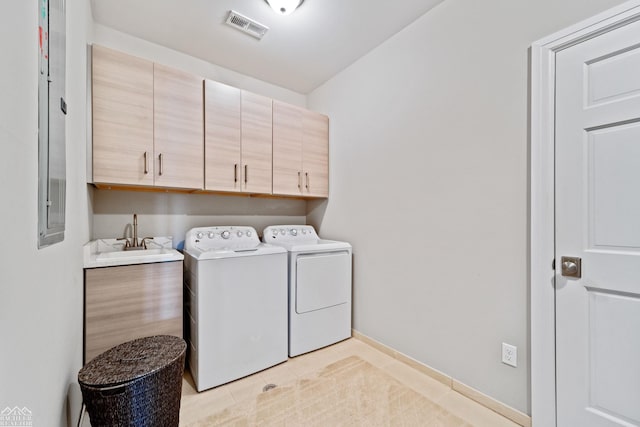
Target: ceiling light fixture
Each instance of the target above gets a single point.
(284, 7)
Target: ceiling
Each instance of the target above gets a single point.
(299, 52)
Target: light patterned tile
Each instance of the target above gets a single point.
(188, 385)
(436, 375)
(246, 388)
(350, 345)
(375, 344)
(279, 374)
(194, 405)
(199, 405)
(308, 363)
(497, 406)
(473, 412)
(302, 366)
(371, 355)
(418, 381)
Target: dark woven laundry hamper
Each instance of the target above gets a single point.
(138, 383)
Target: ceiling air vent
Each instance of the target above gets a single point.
(246, 25)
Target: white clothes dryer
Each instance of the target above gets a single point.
(236, 303)
(319, 287)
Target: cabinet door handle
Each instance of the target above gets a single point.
(146, 163)
(235, 173)
(160, 159)
(299, 180)
(246, 175)
(306, 174)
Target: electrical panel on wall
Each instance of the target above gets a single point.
(52, 109)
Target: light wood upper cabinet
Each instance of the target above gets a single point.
(256, 143)
(178, 125)
(287, 149)
(315, 154)
(128, 302)
(238, 140)
(148, 127)
(154, 126)
(300, 151)
(122, 118)
(222, 137)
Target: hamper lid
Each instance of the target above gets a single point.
(131, 360)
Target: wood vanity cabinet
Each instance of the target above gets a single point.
(147, 123)
(238, 140)
(300, 151)
(128, 302)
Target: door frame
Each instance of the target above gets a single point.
(542, 237)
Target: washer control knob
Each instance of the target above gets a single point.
(304, 231)
(283, 231)
(199, 235)
(240, 233)
(225, 234)
(293, 232)
(248, 233)
(211, 234)
(275, 233)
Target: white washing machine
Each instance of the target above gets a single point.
(236, 300)
(319, 287)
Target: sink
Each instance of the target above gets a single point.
(110, 252)
(133, 254)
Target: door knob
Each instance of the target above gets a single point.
(571, 266)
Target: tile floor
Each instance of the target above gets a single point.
(196, 405)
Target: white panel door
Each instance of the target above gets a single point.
(598, 220)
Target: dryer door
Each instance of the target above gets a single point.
(322, 280)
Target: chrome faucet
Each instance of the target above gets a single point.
(134, 244)
(135, 231)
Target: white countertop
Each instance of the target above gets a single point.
(110, 253)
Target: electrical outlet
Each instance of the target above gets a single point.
(510, 354)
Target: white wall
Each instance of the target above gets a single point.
(40, 290)
(171, 214)
(429, 182)
(123, 42)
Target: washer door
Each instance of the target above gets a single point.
(322, 280)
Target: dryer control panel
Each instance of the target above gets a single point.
(223, 237)
(290, 234)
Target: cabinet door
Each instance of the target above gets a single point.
(287, 149)
(222, 169)
(315, 154)
(129, 302)
(178, 129)
(122, 118)
(256, 143)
